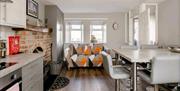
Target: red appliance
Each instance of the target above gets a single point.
(14, 45)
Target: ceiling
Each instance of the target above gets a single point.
(96, 6)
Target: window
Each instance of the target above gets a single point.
(99, 32)
(136, 31)
(74, 33)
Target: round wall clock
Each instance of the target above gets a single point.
(115, 26)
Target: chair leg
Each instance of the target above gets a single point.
(117, 85)
(156, 88)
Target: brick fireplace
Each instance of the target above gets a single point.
(36, 42)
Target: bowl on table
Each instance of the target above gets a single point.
(174, 49)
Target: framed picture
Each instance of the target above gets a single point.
(32, 8)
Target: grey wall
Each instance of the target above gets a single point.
(55, 18)
(169, 22)
(115, 38)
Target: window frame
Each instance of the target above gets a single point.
(103, 30)
(70, 32)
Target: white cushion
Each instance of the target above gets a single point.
(91, 57)
(74, 57)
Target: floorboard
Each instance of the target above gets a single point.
(88, 80)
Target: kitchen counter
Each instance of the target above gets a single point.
(21, 59)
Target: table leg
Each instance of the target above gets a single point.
(117, 57)
(134, 76)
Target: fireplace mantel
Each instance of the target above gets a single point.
(34, 28)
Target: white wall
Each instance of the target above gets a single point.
(114, 38)
(41, 13)
(169, 22)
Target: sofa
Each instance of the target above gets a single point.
(84, 55)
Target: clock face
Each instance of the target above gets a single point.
(115, 26)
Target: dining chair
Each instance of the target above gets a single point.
(115, 72)
(164, 69)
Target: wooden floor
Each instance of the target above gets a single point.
(88, 80)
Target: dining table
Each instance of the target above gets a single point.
(136, 56)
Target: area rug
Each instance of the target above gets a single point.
(59, 83)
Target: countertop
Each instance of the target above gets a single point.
(21, 59)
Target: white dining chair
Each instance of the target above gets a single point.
(164, 69)
(115, 72)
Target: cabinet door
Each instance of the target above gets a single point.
(16, 13)
(32, 76)
(2, 13)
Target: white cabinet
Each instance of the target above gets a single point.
(32, 76)
(2, 13)
(13, 14)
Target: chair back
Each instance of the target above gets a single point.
(107, 63)
(165, 69)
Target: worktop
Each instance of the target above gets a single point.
(21, 59)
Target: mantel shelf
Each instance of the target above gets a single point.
(34, 28)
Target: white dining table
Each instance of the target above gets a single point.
(136, 56)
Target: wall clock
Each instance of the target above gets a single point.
(115, 26)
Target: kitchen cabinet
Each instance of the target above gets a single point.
(32, 76)
(13, 14)
(2, 13)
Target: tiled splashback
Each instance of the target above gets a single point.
(5, 32)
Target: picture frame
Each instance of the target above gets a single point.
(32, 8)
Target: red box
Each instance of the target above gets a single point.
(14, 45)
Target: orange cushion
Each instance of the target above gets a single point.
(87, 50)
(83, 61)
(80, 49)
(98, 60)
(97, 48)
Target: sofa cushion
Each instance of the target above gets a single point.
(97, 60)
(97, 48)
(82, 61)
(72, 49)
(87, 50)
(74, 57)
(80, 49)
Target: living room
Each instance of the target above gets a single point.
(85, 45)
